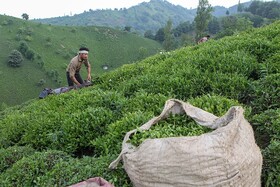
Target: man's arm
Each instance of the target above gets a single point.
(89, 72)
(75, 80)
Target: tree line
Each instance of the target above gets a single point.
(257, 14)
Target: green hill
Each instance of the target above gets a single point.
(64, 139)
(51, 49)
(145, 16)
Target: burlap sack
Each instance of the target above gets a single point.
(227, 156)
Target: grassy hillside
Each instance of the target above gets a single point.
(145, 16)
(53, 47)
(67, 138)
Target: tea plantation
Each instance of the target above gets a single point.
(64, 139)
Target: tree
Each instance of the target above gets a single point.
(254, 7)
(270, 10)
(233, 24)
(169, 40)
(240, 7)
(25, 16)
(203, 16)
(15, 59)
(214, 26)
(227, 12)
(183, 28)
(160, 35)
(149, 34)
(258, 21)
(127, 28)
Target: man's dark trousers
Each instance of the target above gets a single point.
(77, 76)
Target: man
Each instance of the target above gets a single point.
(204, 39)
(73, 69)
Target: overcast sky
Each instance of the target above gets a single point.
(55, 8)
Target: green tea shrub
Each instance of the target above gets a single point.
(111, 80)
(47, 125)
(267, 126)
(111, 142)
(82, 128)
(13, 154)
(267, 133)
(271, 165)
(66, 173)
(271, 65)
(228, 85)
(215, 104)
(144, 101)
(260, 47)
(72, 134)
(265, 93)
(171, 83)
(218, 60)
(11, 134)
(26, 171)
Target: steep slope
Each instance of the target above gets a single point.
(50, 49)
(81, 131)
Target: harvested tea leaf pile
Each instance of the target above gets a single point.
(173, 126)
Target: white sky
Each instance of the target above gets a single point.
(55, 8)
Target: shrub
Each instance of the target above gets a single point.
(66, 173)
(30, 54)
(23, 47)
(111, 142)
(215, 104)
(13, 154)
(265, 93)
(271, 166)
(15, 59)
(41, 82)
(26, 171)
(267, 126)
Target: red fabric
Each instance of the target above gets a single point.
(96, 180)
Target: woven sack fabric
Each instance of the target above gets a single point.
(227, 156)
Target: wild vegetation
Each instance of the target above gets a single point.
(149, 18)
(67, 138)
(35, 56)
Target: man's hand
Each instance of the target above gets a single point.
(89, 77)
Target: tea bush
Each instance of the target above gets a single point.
(13, 154)
(111, 142)
(267, 126)
(65, 173)
(265, 93)
(26, 171)
(271, 166)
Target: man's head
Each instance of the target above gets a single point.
(83, 53)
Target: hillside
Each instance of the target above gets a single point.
(143, 17)
(64, 139)
(52, 47)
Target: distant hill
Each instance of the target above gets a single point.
(52, 47)
(145, 16)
